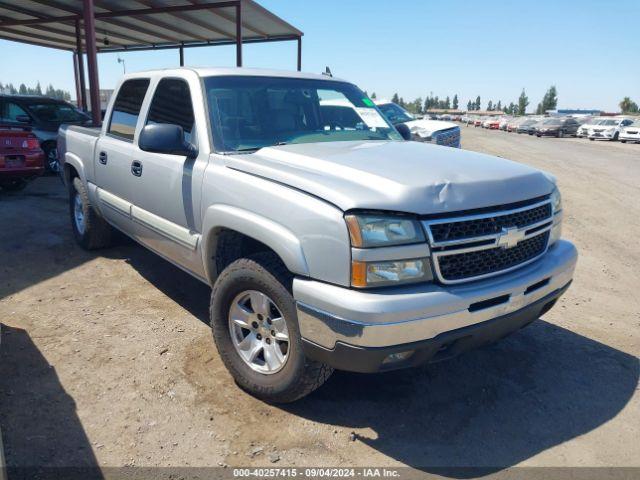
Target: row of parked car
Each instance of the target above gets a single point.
(622, 128)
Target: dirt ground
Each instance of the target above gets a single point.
(106, 358)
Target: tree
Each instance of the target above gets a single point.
(395, 98)
(373, 96)
(499, 106)
(490, 106)
(23, 89)
(447, 103)
(549, 101)
(455, 102)
(469, 106)
(477, 105)
(38, 90)
(628, 106)
(523, 103)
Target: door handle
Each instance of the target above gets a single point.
(136, 168)
(102, 158)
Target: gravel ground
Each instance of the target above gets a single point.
(107, 360)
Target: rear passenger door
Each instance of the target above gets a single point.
(114, 153)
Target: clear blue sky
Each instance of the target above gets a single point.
(493, 48)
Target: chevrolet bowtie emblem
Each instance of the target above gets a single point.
(510, 237)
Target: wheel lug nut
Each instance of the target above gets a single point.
(273, 333)
(260, 317)
(268, 341)
(269, 321)
(254, 324)
(259, 337)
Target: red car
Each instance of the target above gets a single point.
(21, 158)
(493, 124)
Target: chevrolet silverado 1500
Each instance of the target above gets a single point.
(329, 242)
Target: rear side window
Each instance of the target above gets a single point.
(172, 104)
(126, 108)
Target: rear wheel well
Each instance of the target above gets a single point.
(231, 246)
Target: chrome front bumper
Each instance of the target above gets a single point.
(328, 314)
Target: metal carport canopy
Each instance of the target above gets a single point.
(95, 26)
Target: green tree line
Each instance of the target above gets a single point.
(50, 91)
(518, 107)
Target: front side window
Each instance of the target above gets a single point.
(126, 108)
(248, 113)
(395, 113)
(172, 104)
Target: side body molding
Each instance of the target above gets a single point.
(280, 239)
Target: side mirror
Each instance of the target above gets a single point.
(166, 138)
(23, 118)
(404, 131)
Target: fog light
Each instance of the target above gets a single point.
(398, 357)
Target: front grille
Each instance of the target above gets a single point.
(442, 232)
(449, 137)
(482, 262)
(487, 242)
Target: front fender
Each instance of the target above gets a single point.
(274, 235)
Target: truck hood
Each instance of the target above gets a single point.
(397, 176)
(430, 126)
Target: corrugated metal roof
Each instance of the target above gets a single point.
(147, 23)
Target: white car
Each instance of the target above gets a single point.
(423, 130)
(583, 130)
(608, 129)
(630, 133)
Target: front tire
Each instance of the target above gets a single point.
(252, 314)
(560, 133)
(90, 230)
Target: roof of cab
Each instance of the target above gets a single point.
(227, 71)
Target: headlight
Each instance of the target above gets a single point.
(556, 200)
(422, 134)
(383, 231)
(378, 274)
(556, 229)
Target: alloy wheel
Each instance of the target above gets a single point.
(259, 332)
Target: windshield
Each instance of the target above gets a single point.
(395, 113)
(608, 122)
(56, 112)
(248, 113)
(552, 121)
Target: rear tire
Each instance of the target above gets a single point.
(89, 229)
(265, 275)
(623, 141)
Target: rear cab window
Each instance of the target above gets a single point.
(172, 104)
(126, 108)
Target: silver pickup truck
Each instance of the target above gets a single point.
(329, 240)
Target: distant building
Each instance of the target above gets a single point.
(105, 96)
(575, 112)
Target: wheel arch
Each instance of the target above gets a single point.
(230, 233)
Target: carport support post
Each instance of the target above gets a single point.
(181, 56)
(239, 34)
(92, 59)
(82, 98)
(299, 53)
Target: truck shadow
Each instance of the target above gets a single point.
(489, 409)
(42, 434)
(480, 413)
